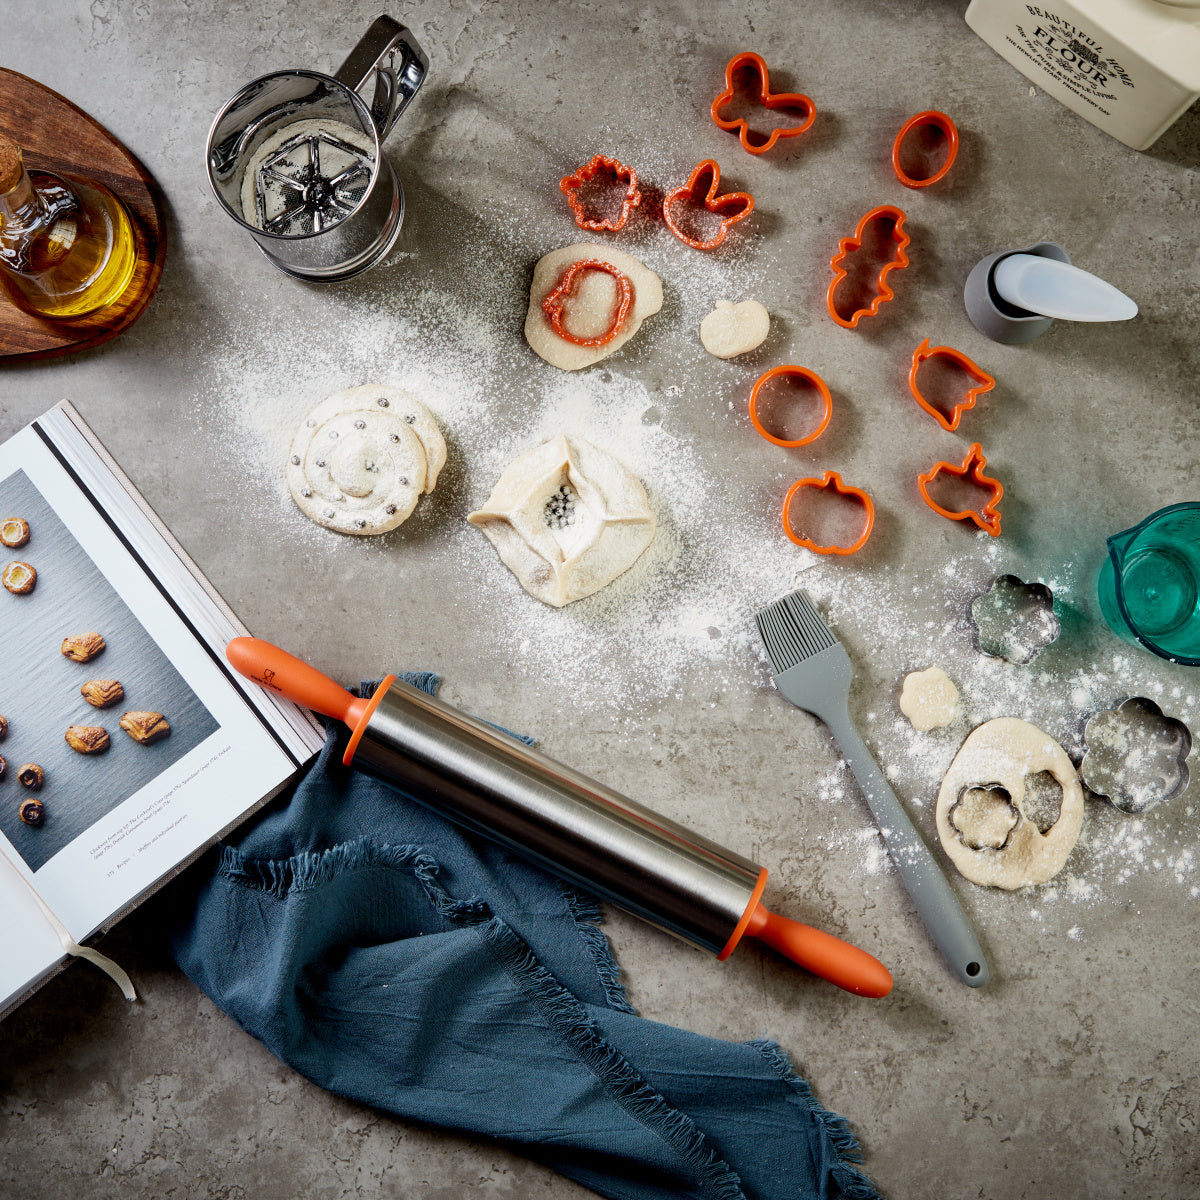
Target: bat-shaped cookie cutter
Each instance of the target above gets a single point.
(831, 481)
(792, 103)
(814, 381)
(600, 164)
(983, 382)
(925, 120)
(552, 305)
(987, 517)
(891, 221)
(701, 189)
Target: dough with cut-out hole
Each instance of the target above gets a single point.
(989, 776)
(733, 329)
(589, 310)
(566, 518)
(928, 699)
(361, 459)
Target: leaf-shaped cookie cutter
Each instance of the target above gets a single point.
(848, 245)
(789, 102)
(701, 189)
(570, 184)
(830, 481)
(809, 377)
(983, 382)
(987, 517)
(552, 305)
(937, 120)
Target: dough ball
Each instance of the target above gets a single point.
(928, 699)
(733, 329)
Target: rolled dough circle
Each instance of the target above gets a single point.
(733, 329)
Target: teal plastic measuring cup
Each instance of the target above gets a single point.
(1150, 583)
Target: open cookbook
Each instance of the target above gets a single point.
(127, 743)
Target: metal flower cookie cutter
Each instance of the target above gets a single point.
(598, 166)
(791, 103)
(810, 381)
(1013, 620)
(916, 130)
(1135, 756)
(987, 517)
(983, 382)
(831, 482)
(701, 190)
(865, 290)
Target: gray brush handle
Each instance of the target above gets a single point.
(930, 891)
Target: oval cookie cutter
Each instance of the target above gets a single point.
(792, 372)
(988, 516)
(752, 142)
(599, 163)
(701, 190)
(887, 215)
(931, 119)
(983, 382)
(830, 481)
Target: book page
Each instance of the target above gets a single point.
(118, 811)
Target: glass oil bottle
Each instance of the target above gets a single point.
(66, 246)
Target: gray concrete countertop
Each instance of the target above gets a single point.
(1076, 1072)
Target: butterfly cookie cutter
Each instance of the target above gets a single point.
(988, 516)
(809, 378)
(983, 382)
(931, 119)
(891, 228)
(602, 165)
(787, 102)
(701, 189)
(831, 481)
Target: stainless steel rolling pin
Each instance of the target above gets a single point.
(479, 777)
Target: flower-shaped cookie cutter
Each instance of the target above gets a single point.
(791, 103)
(983, 382)
(831, 481)
(1013, 620)
(1135, 756)
(890, 222)
(925, 121)
(701, 189)
(602, 165)
(811, 380)
(988, 516)
(557, 297)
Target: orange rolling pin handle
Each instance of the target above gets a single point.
(821, 953)
(280, 672)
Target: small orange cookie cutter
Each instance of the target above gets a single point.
(552, 305)
(831, 481)
(570, 184)
(814, 381)
(789, 102)
(886, 214)
(983, 382)
(988, 517)
(930, 119)
(701, 189)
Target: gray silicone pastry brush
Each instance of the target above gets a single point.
(813, 671)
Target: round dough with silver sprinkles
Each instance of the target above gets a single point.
(361, 459)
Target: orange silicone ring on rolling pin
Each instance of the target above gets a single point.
(809, 377)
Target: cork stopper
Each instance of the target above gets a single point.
(10, 165)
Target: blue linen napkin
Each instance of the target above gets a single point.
(399, 961)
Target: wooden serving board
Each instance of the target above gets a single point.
(57, 136)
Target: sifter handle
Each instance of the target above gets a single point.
(280, 672)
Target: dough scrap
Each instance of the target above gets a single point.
(361, 459)
(928, 699)
(999, 757)
(566, 518)
(733, 329)
(589, 311)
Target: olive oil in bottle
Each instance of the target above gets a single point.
(66, 246)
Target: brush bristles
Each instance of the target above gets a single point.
(792, 630)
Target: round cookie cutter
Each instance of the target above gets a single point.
(814, 381)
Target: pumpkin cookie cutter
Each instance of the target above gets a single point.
(556, 298)
(1135, 756)
(885, 214)
(1013, 620)
(701, 189)
(601, 164)
(931, 119)
(814, 381)
(983, 382)
(987, 517)
(787, 102)
(831, 481)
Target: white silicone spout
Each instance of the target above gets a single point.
(1057, 289)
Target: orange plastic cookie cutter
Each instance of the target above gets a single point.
(987, 517)
(701, 189)
(787, 102)
(890, 222)
(553, 304)
(983, 382)
(601, 165)
(812, 380)
(925, 121)
(831, 481)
